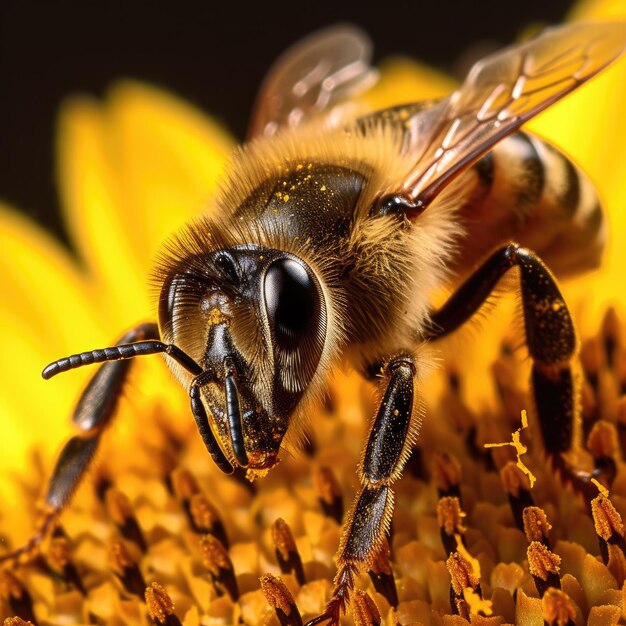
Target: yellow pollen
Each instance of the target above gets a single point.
(601, 488)
(607, 521)
(541, 561)
(364, 610)
(450, 516)
(159, 603)
(253, 474)
(277, 593)
(460, 548)
(214, 555)
(216, 317)
(520, 448)
(283, 538)
(476, 603)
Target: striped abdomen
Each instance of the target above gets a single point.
(526, 191)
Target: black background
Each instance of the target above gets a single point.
(212, 54)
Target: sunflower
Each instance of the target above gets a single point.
(158, 526)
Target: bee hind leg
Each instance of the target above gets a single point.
(389, 444)
(95, 409)
(551, 340)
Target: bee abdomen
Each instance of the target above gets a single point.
(529, 192)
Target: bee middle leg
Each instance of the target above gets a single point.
(384, 457)
(551, 340)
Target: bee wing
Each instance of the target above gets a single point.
(500, 93)
(312, 77)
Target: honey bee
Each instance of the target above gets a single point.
(333, 229)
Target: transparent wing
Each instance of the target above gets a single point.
(500, 93)
(312, 77)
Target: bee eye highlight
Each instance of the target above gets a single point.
(291, 301)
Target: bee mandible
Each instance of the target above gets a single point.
(332, 230)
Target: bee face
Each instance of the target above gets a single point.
(262, 316)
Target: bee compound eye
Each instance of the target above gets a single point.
(291, 301)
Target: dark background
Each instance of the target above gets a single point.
(214, 54)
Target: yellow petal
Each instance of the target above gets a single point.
(42, 285)
(169, 160)
(598, 10)
(94, 211)
(131, 173)
(402, 81)
(48, 311)
(34, 413)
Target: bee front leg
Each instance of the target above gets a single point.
(551, 340)
(94, 410)
(388, 447)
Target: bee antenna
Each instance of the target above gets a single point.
(117, 353)
(233, 412)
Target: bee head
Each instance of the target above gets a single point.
(255, 321)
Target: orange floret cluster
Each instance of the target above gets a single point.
(172, 539)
